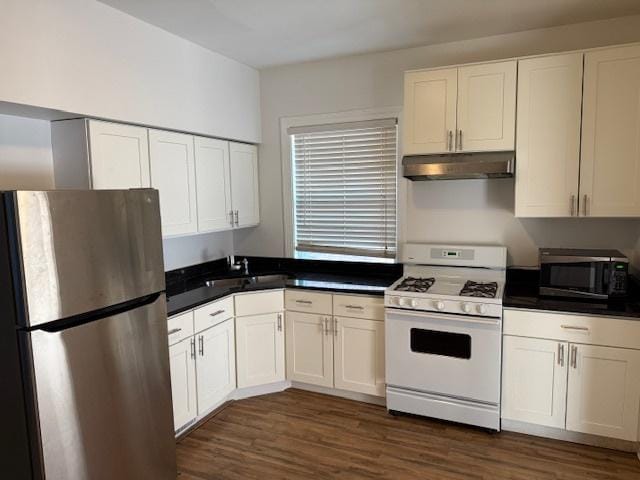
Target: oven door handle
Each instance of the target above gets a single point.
(458, 319)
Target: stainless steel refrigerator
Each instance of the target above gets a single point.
(84, 360)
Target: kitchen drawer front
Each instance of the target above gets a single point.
(357, 306)
(256, 303)
(213, 314)
(180, 327)
(308, 302)
(575, 328)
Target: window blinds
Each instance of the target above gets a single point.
(345, 188)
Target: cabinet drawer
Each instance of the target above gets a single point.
(260, 302)
(358, 306)
(213, 313)
(180, 327)
(575, 328)
(311, 302)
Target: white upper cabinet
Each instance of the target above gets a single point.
(213, 185)
(548, 133)
(486, 107)
(604, 391)
(119, 155)
(534, 381)
(244, 184)
(173, 174)
(429, 111)
(610, 164)
(465, 109)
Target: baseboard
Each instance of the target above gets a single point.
(575, 437)
(336, 392)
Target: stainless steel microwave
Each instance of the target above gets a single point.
(588, 274)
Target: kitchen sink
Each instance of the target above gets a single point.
(242, 281)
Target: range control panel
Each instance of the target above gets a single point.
(460, 307)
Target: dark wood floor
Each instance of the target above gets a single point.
(302, 435)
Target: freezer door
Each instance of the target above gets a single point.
(82, 250)
(103, 397)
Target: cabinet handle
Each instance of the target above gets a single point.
(174, 330)
(325, 326)
(354, 307)
(460, 144)
(584, 205)
(305, 302)
(279, 322)
(574, 356)
(571, 327)
(237, 221)
(573, 205)
(201, 343)
(193, 347)
(231, 216)
(335, 327)
(450, 144)
(216, 313)
(456, 140)
(561, 354)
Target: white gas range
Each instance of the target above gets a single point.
(443, 333)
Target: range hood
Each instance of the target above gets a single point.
(456, 166)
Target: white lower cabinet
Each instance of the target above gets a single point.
(309, 348)
(359, 355)
(183, 382)
(604, 391)
(215, 365)
(567, 383)
(534, 378)
(260, 349)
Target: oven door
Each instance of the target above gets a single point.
(451, 355)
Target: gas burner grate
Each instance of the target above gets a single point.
(413, 284)
(479, 289)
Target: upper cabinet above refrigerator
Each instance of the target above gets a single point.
(460, 109)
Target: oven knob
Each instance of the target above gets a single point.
(466, 307)
(413, 303)
(395, 300)
(482, 309)
(440, 305)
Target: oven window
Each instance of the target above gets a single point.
(457, 345)
(581, 276)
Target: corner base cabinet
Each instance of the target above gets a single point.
(260, 349)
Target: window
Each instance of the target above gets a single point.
(344, 190)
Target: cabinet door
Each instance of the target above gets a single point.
(610, 163)
(309, 348)
(487, 107)
(548, 148)
(359, 355)
(244, 183)
(119, 156)
(429, 111)
(213, 182)
(604, 391)
(183, 382)
(260, 349)
(173, 173)
(215, 365)
(534, 381)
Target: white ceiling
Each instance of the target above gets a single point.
(264, 33)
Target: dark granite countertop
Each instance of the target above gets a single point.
(521, 291)
(186, 287)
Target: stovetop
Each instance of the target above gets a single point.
(447, 285)
(479, 289)
(413, 284)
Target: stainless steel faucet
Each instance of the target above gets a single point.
(244, 265)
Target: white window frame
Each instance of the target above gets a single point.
(328, 119)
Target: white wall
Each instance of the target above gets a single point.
(464, 211)
(25, 154)
(86, 58)
(191, 250)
